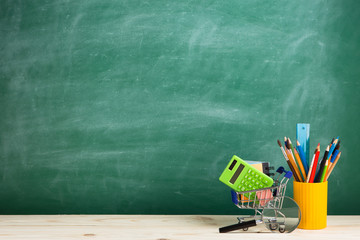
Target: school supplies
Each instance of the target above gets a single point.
(332, 167)
(311, 165)
(269, 207)
(292, 161)
(302, 156)
(318, 169)
(327, 160)
(263, 167)
(297, 157)
(288, 161)
(310, 188)
(314, 164)
(303, 137)
(241, 176)
(333, 157)
(322, 165)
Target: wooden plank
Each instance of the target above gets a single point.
(157, 227)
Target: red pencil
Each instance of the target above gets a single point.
(314, 166)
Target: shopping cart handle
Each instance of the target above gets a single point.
(288, 174)
(234, 197)
(280, 170)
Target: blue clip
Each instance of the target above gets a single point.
(288, 174)
(280, 170)
(234, 197)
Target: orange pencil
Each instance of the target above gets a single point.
(332, 160)
(292, 159)
(332, 167)
(287, 160)
(293, 163)
(297, 157)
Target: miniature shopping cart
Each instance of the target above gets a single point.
(268, 206)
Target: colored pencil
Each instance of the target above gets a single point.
(292, 161)
(292, 151)
(287, 160)
(297, 157)
(333, 157)
(312, 164)
(333, 145)
(290, 146)
(322, 165)
(302, 157)
(333, 165)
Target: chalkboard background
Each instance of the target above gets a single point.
(137, 106)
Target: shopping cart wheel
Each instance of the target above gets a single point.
(288, 216)
(282, 228)
(245, 229)
(273, 226)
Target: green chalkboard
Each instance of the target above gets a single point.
(137, 106)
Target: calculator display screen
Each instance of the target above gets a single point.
(232, 165)
(237, 173)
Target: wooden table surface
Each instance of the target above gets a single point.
(158, 227)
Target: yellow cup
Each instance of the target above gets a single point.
(312, 200)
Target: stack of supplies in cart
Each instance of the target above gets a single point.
(248, 176)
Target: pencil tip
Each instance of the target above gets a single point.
(279, 142)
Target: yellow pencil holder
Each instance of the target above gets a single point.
(312, 200)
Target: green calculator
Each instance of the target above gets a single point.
(241, 176)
